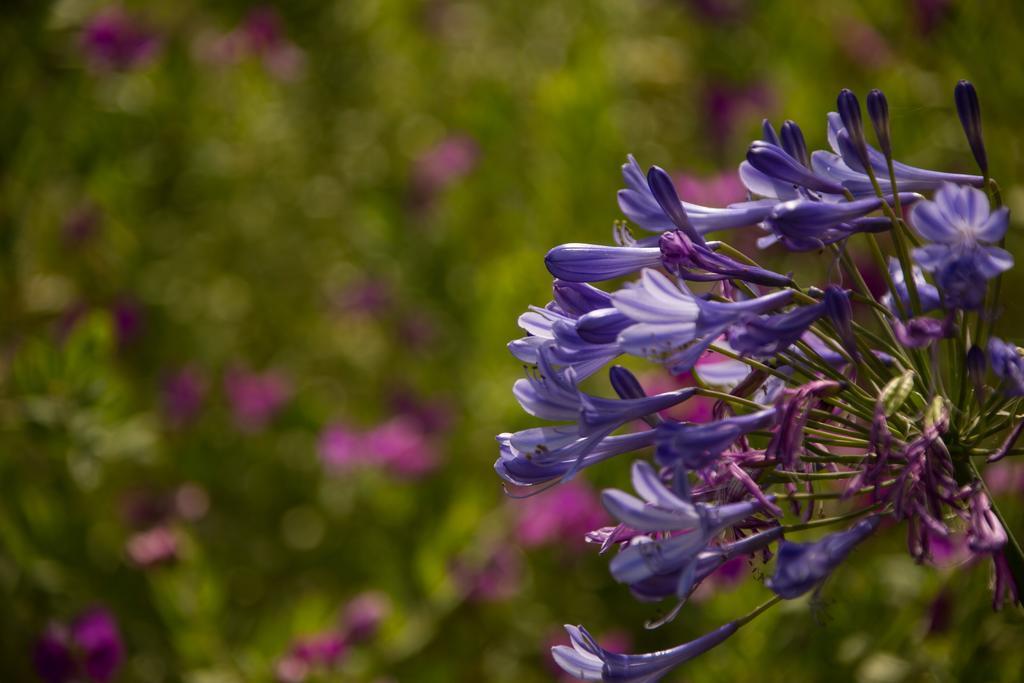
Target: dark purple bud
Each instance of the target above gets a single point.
(364, 615)
(800, 567)
(840, 313)
(768, 133)
(775, 163)
(97, 636)
(985, 533)
(969, 110)
(664, 191)
(849, 112)
(794, 144)
(878, 110)
(625, 383)
(52, 656)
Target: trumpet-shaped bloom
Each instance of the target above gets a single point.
(639, 204)
(588, 661)
(674, 326)
(700, 445)
(802, 566)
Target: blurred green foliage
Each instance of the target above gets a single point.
(236, 211)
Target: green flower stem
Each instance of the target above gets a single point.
(828, 521)
(756, 611)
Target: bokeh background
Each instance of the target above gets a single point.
(258, 265)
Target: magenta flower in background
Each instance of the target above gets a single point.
(319, 652)
(439, 166)
(113, 40)
(721, 189)
(91, 647)
(563, 515)
(725, 107)
(401, 447)
(129, 320)
(81, 225)
(341, 448)
(260, 35)
(499, 577)
(1005, 477)
(255, 398)
(182, 395)
(152, 548)
(364, 614)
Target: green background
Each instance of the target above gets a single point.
(237, 207)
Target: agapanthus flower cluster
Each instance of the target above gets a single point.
(834, 412)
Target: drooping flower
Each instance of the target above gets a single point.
(588, 661)
(802, 566)
(1007, 363)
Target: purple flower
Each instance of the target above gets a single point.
(182, 396)
(255, 398)
(962, 229)
(53, 657)
(927, 293)
(154, 547)
(674, 326)
(681, 256)
(115, 41)
(640, 204)
(985, 533)
(766, 335)
(91, 646)
(806, 225)
(1007, 364)
(917, 333)
(441, 165)
(700, 445)
(846, 168)
(341, 448)
(364, 615)
(801, 566)
(661, 510)
(588, 661)
(401, 447)
(774, 163)
(593, 262)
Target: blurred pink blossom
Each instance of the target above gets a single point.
(182, 395)
(717, 190)
(399, 446)
(150, 548)
(439, 166)
(364, 614)
(255, 398)
(498, 578)
(564, 514)
(260, 35)
(113, 40)
(1005, 477)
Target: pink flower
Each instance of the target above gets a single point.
(260, 35)
(112, 40)
(256, 398)
(401, 447)
(498, 578)
(717, 190)
(1005, 477)
(154, 547)
(566, 513)
(441, 165)
(182, 396)
(364, 614)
